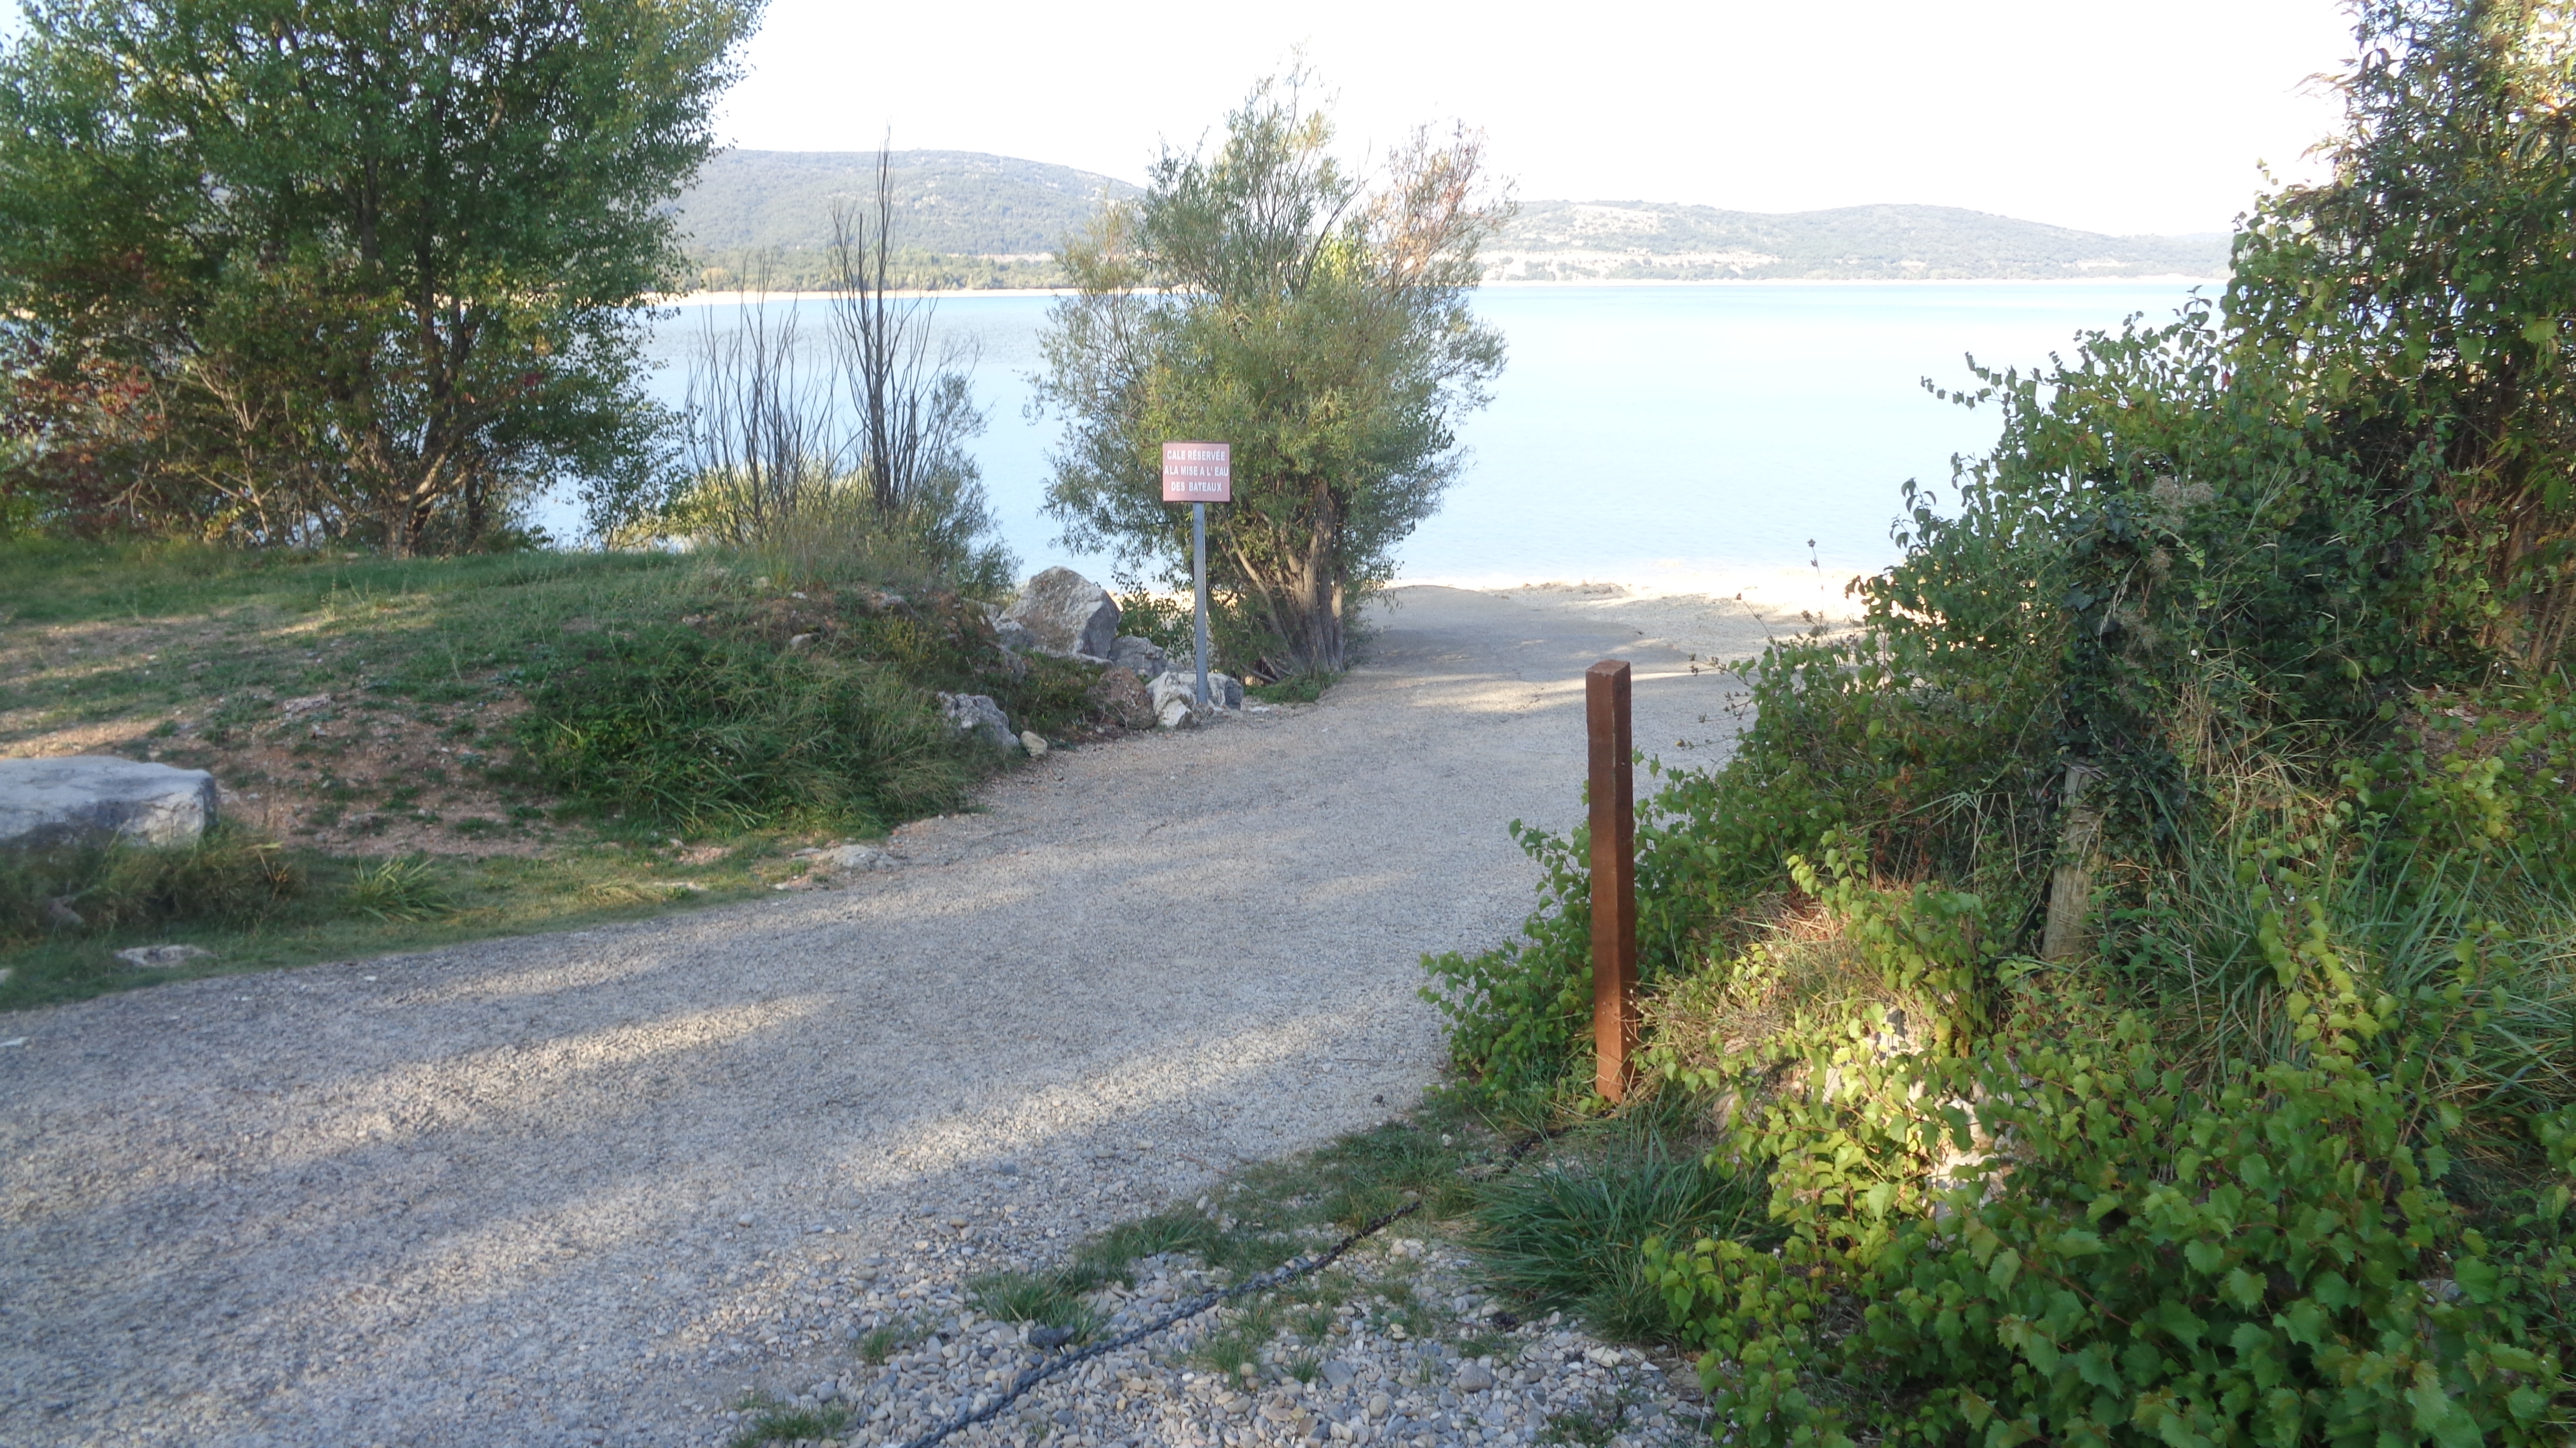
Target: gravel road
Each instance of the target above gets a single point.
(584, 1188)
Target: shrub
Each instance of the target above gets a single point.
(2124, 1259)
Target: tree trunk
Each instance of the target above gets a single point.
(2070, 885)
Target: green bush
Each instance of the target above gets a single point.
(698, 731)
(1520, 1014)
(2126, 1259)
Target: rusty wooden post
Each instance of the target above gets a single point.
(1614, 877)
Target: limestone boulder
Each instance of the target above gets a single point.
(1141, 655)
(164, 957)
(91, 796)
(1120, 698)
(1175, 696)
(979, 718)
(1066, 613)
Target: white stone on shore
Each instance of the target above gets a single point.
(86, 796)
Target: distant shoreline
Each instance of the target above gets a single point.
(736, 298)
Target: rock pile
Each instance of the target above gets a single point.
(1175, 695)
(1061, 612)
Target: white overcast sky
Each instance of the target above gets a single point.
(2110, 115)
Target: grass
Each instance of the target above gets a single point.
(416, 752)
(344, 908)
(1295, 689)
(884, 1342)
(1263, 1216)
(1565, 1235)
(773, 1424)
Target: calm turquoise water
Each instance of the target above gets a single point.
(1642, 434)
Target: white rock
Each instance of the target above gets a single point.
(1030, 741)
(978, 715)
(162, 957)
(50, 801)
(1066, 613)
(857, 857)
(1141, 655)
(1175, 695)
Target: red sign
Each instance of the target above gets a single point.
(1198, 472)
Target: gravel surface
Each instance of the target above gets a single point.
(1371, 1383)
(584, 1188)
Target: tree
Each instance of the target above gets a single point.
(2424, 294)
(360, 269)
(770, 458)
(1264, 298)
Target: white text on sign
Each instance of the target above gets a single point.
(1198, 472)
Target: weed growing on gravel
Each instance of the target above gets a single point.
(884, 1342)
(1591, 1425)
(790, 1425)
(1049, 1299)
(1566, 1235)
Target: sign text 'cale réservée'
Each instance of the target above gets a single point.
(1198, 472)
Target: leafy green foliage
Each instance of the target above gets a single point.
(2123, 1258)
(1262, 298)
(2422, 295)
(2243, 650)
(1519, 1013)
(271, 271)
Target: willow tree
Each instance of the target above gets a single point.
(1318, 321)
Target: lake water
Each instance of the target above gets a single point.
(1644, 434)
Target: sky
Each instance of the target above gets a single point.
(2120, 116)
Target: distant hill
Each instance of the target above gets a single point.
(968, 220)
(1603, 240)
(965, 218)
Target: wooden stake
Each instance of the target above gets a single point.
(1614, 878)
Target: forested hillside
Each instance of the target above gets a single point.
(962, 218)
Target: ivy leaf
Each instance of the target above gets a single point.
(2205, 1257)
(2007, 1266)
(2477, 1278)
(2243, 1288)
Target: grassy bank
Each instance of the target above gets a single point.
(503, 743)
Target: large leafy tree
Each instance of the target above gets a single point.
(1267, 298)
(367, 269)
(2423, 297)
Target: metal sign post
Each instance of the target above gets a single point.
(1199, 473)
(1614, 878)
